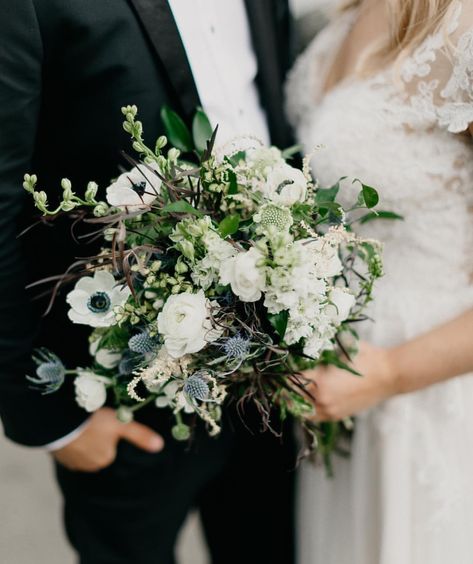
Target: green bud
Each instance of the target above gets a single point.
(66, 184)
(161, 142)
(91, 191)
(101, 209)
(181, 266)
(181, 432)
(124, 414)
(41, 199)
(173, 154)
(67, 205)
(127, 126)
(187, 249)
(137, 146)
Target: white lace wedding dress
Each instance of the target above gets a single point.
(406, 494)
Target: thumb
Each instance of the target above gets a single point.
(141, 436)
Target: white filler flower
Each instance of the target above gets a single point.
(286, 185)
(135, 189)
(245, 277)
(93, 299)
(341, 302)
(91, 392)
(185, 324)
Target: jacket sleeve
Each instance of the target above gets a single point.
(27, 416)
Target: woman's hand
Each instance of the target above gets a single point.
(339, 394)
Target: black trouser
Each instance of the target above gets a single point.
(131, 512)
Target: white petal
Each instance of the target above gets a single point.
(78, 300)
(104, 281)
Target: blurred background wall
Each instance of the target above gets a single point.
(30, 506)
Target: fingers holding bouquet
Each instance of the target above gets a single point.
(338, 393)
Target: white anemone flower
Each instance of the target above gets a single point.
(286, 185)
(135, 189)
(94, 298)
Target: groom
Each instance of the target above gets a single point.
(66, 68)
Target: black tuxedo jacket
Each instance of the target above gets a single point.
(66, 68)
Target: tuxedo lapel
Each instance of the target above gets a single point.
(158, 21)
(271, 45)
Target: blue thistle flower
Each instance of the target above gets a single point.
(196, 387)
(236, 347)
(50, 372)
(128, 363)
(142, 343)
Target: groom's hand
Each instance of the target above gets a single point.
(96, 446)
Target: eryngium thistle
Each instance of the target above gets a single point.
(236, 347)
(50, 371)
(272, 215)
(196, 387)
(142, 343)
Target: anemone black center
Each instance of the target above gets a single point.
(99, 302)
(139, 187)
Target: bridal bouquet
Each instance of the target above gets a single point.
(223, 272)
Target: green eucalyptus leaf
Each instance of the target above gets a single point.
(279, 322)
(229, 225)
(324, 195)
(176, 130)
(380, 215)
(368, 195)
(181, 206)
(201, 130)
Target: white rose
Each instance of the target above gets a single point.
(246, 279)
(341, 302)
(185, 324)
(324, 255)
(135, 189)
(286, 185)
(91, 392)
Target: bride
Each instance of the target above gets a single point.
(387, 88)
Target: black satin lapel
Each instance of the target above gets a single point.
(158, 21)
(270, 45)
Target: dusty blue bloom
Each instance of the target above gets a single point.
(50, 372)
(236, 347)
(142, 343)
(196, 387)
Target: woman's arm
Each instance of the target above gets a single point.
(440, 354)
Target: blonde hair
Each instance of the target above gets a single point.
(411, 21)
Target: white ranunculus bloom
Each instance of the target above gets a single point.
(325, 259)
(286, 186)
(341, 302)
(185, 324)
(135, 189)
(105, 357)
(93, 298)
(91, 392)
(245, 277)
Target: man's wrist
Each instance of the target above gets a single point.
(67, 439)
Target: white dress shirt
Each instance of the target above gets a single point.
(217, 40)
(216, 37)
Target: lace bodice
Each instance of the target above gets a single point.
(404, 131)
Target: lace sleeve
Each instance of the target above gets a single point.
(439, 74)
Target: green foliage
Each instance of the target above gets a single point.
(279, 322)
(181, 206)
(201, 130)
(229, 225)
(176, 130)
(380, 215)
